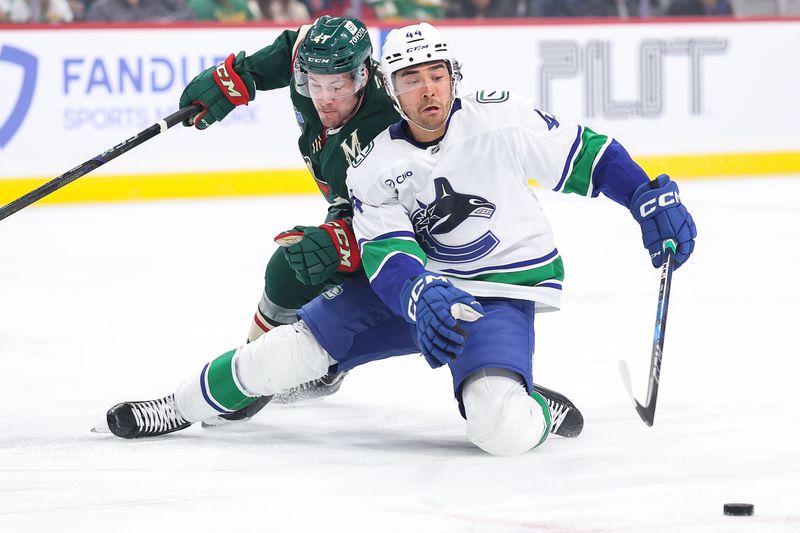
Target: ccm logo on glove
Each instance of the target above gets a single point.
(649, 207)
(230, 83)
(343, 241)
(416, 291)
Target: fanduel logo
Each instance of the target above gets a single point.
(29, 65)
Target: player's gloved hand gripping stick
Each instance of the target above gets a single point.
(668, 232)
(218, 90)
(84, 168)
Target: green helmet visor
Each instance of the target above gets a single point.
(330, 86)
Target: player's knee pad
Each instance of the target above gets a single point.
(502, 419)
(283, 358)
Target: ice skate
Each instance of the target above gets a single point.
(133, 420)
(566, 419)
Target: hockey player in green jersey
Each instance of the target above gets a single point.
(340, 104)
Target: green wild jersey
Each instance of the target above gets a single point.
(327, 153)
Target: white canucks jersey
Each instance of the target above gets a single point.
(463, 208)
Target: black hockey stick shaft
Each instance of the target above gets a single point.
(99, 160)
(647, 411)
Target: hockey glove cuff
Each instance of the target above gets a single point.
(657, 208)
(435, 305)
(316, 253)
(219, 89)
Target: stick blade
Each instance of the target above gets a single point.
(625, 374)
(645, 412)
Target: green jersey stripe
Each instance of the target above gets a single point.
(553, 271)
(580, 178)
(223, 385)
(374, 254)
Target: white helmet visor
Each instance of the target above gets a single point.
(433, 75)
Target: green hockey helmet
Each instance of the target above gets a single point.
(334, 48)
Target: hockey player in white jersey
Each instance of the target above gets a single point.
(453, 239)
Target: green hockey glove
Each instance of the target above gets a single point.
(316, 253)
(219, 89)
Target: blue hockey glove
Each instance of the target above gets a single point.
(657, 208)
(434, 304)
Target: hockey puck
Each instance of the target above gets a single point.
(738, 509)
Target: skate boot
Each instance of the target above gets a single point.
(566, 419)
(133, 420)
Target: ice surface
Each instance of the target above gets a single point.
(104, 303)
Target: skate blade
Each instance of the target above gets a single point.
(101, 428)
(218, 421)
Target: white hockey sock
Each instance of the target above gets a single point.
(278, 360)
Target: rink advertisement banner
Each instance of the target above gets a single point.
(694, 99)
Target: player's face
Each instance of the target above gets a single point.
(334, 97)
(424, 92)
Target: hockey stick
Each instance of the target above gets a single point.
(87, 166)
(647, 412)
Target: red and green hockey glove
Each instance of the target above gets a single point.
(316, 253)
(219, 89)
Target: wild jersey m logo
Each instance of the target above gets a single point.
(448, 210)
(362, 155)
(352, 150)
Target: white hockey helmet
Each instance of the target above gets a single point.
(413, 45)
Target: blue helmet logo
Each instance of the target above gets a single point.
(444, 214)
(29, 65)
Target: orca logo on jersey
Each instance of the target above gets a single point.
(445, 213)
